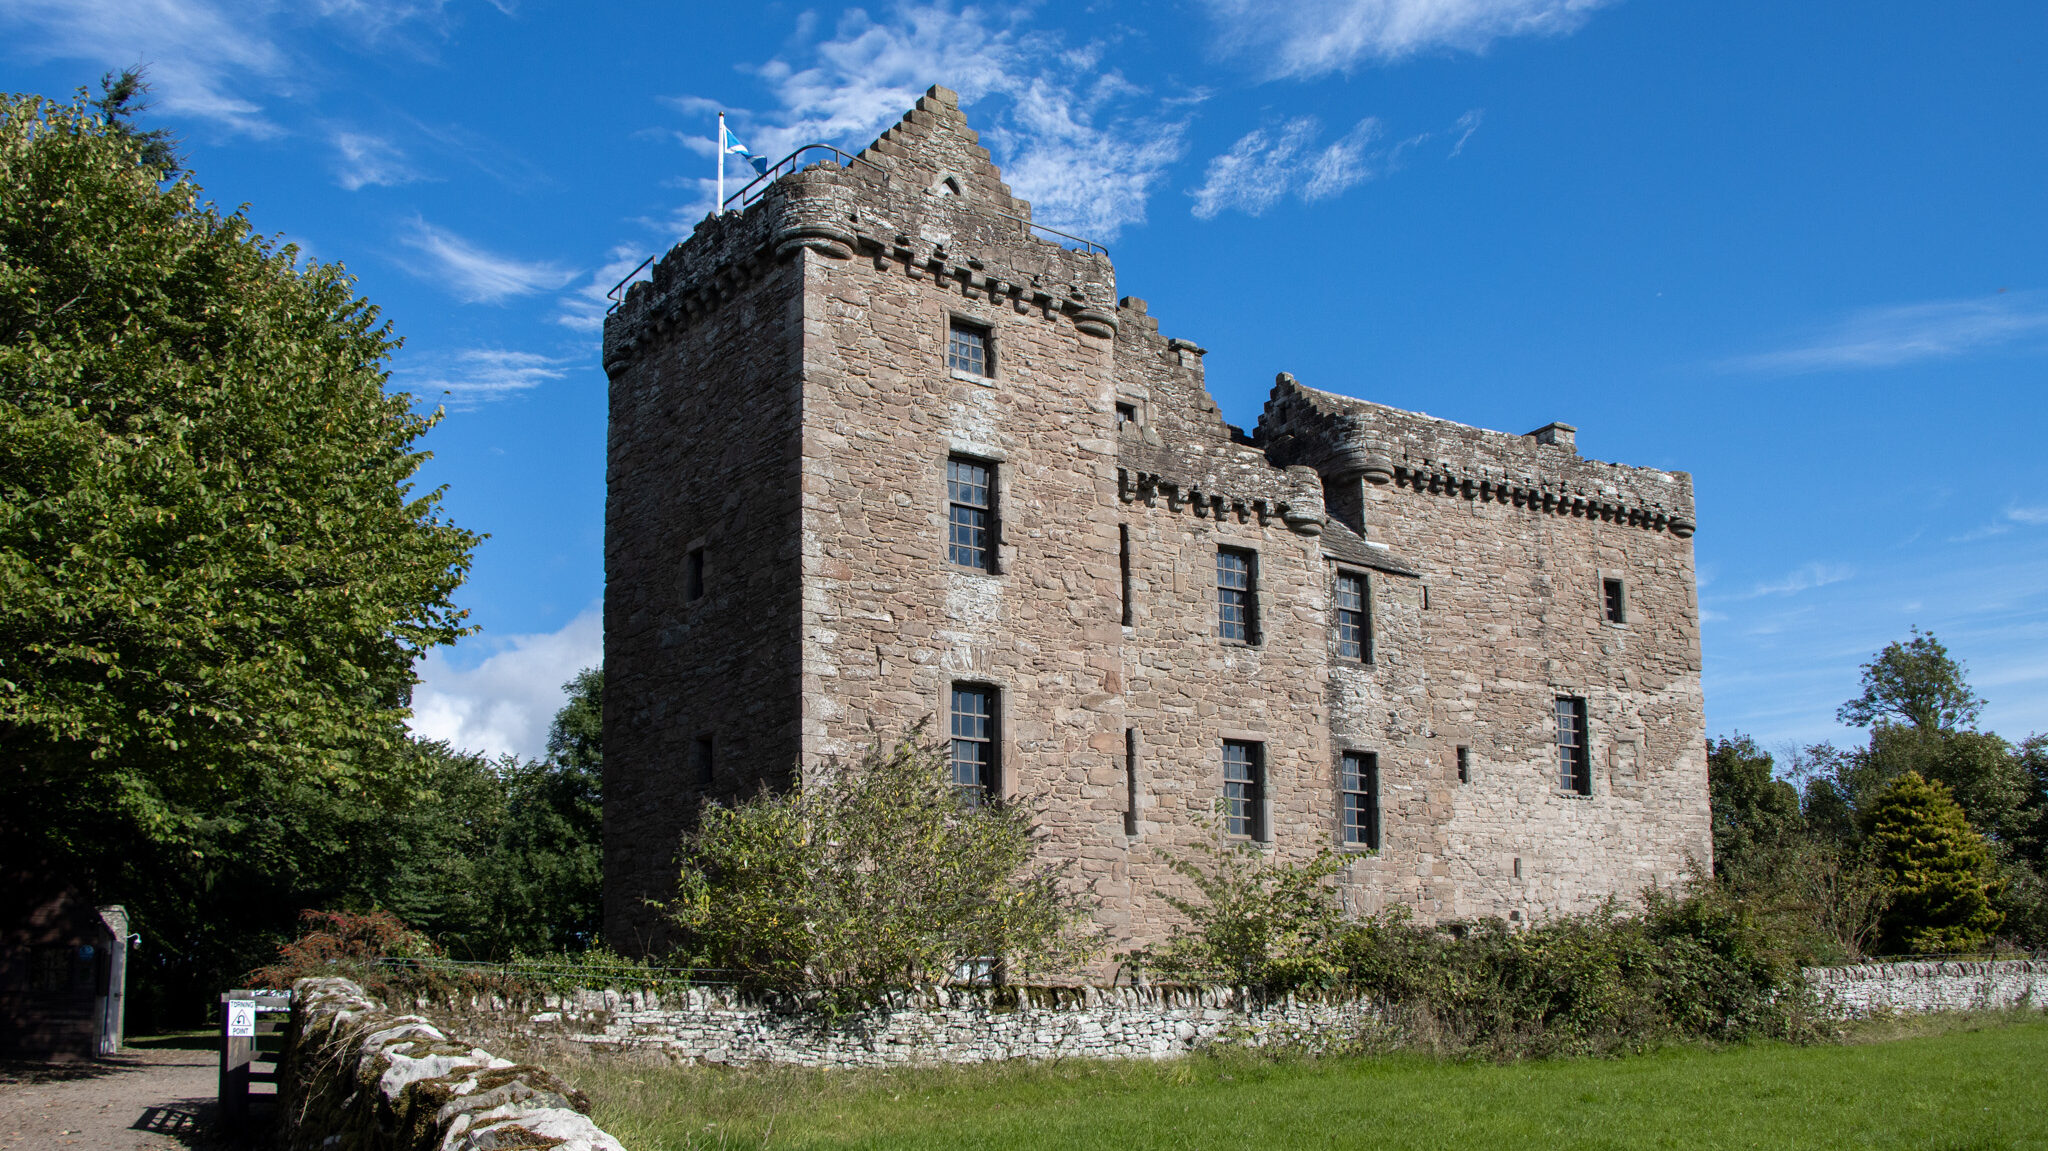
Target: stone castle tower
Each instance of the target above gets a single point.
(882, 450)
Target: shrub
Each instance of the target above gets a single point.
(342, 943)
(878, 878)
(1261, 923)
(1940, 872)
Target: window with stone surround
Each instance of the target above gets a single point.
(706, 764)
(1354, 617)
(1126, 415)
(970, 348)
(1237, 595)
(1244, 789)
(1359, 784)
(971, 513)
(1464, 765)
(1574, 747)
(1614, 600)
(974, 743)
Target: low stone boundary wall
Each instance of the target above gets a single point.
(941, 1026)
(356, 1077)
(1868, 988)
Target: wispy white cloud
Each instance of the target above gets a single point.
(1466, 125)
(366, 160)
(584, 309)
(1309, 38)
(1268, 164)
(198, 54)
(503, 705)
(1083, 144)
(1804, 578)
(478, 374)
(475, 275)
(2032, 515)
(2007, 520)
(1888, 336)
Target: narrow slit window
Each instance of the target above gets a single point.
(1614, 598)
(1244, 789)
(1237, 595)
(1360, 784)
(1354, 617)
(693, 575)
(974, 743)
(969, 349)
(1464, 765)
(971, 513)
(1131, 781)
(1123, 562)
(1574, 753)
(706, 765)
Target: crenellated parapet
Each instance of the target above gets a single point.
(1542, 472)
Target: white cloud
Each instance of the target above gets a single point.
(1900, 334)
(2027, 515)
(1466, 125)
(504, 704)
(481, 374)
(1804, 578)
(196, 53)
(1266, 165)
(584, 309)
(1079, 141)
(477, 276)
(370, 160)
(1310, 38)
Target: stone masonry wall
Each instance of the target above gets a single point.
(356, 1077)
(1872, 988)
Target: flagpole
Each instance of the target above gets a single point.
(718, 209)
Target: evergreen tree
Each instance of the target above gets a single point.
(1939, 871)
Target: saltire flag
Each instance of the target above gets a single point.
(730, 143)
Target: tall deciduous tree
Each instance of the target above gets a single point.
(1940, 872)
(215, 571)
(1917, 683)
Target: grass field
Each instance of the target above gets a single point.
(1946, 1085)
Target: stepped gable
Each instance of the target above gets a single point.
(933, 150)
(1541, 471)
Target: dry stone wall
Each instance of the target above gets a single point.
(1873, 988)
(357, 1077)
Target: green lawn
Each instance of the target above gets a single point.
(1979, 1085)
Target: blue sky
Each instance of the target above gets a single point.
(1797, 250)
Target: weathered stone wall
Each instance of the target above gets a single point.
(1871, 988)
(356, 1077)
(781, 388)
(959, 1026)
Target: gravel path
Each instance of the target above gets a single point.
(157, 1100)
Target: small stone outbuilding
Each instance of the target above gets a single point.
(882, 449)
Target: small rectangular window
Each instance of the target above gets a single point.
(1464, 765)
(1126, 415)
(1574, 753)
(1244, 789)
(1354, 617)
(974, 743)
(1614, 599)
(706, 766)
(1130, 781)
(1360, 784)
(1237, 595)
(1123, 562)
(971, 513)
(968, 350)
(693, 575)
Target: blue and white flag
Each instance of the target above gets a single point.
(728, 142)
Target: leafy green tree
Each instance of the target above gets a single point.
(1977, 767)
(1266, 923)
(1755, 813)
(545, 871)
(215, 573)
(1915, 683)
(1939, 871)
(877, 878)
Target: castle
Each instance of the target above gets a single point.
(882, 449)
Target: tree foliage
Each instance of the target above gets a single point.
(877, 877)
(1915, 683)
(215, 574)
(1939, 871)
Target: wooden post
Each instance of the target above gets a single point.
(249, 1047)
